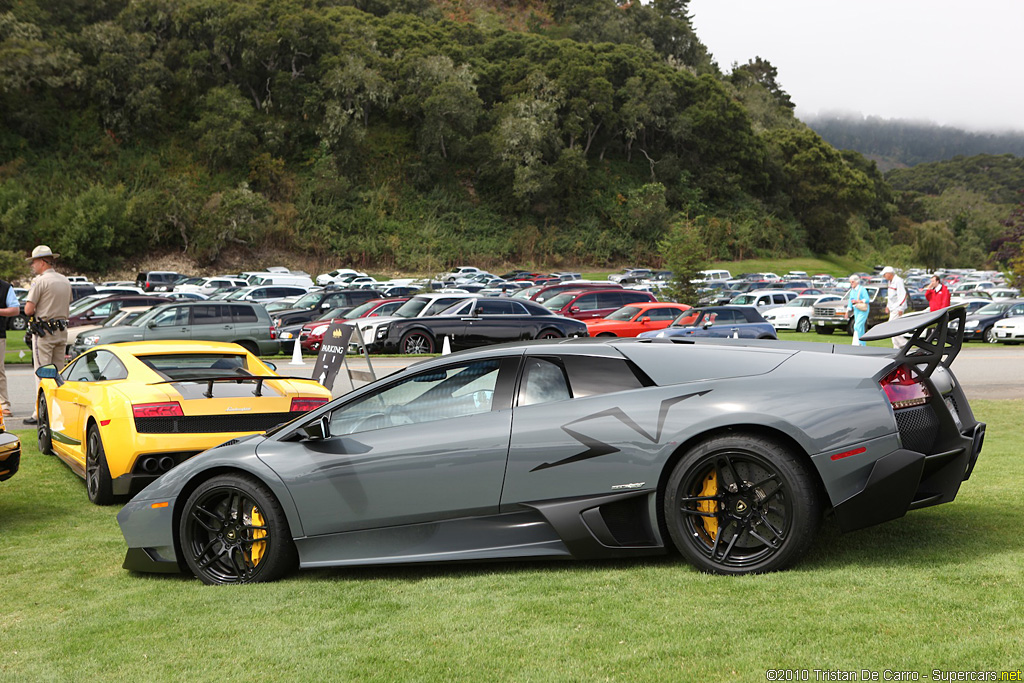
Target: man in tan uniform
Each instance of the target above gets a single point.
(48, 299)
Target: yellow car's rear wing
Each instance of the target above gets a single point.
(237, 379)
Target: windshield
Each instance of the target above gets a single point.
(308, 301)
(802, 301)
(997, 307)
(559, 300)
(238, 294)
(527, 292)
(357, 312)
(624, 313)
(411, 308)
(688, 319)
(146, 317)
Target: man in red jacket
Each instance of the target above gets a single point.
(937, 294)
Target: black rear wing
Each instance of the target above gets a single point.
(935, 337)
(238, 379)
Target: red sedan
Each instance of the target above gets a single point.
(312, 334)
(631, 320)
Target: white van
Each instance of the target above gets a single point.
(713, 276)
(289, 279)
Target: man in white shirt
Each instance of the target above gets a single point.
(896, 301)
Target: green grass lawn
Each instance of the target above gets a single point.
(940, 588)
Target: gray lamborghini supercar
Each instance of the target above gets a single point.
(727, 451)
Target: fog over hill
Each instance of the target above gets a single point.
(895, 143)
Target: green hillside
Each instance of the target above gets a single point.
(409, 135)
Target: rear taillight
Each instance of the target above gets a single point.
(904, 389)
(302, 405)
(170, 409)
(273, 332)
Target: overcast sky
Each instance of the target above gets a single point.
(953, 63)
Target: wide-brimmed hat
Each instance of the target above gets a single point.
(42, 251)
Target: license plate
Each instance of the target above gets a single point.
(956, 417)
(1002, 334)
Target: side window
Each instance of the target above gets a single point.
(207, 314)
(494, 308)
(610, 300)
(633, 297)
(662, 313)
(243, 314)
(543, 382)
(172, 317)
(587, 302)
(594, 375)
(98, 366)
(439, 394)
(779, 298)
(518, 308)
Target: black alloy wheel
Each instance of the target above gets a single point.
(804, 325)
(741, 505)
(97, 474)
(233, 530)
(43, 436)
(416, 343)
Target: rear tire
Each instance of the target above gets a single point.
(249, 346)
(551, 334)
(741, 504)
(97, 474)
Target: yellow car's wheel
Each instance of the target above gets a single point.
(43, 436)
(741, 504)
(97, 474)
(233, 530)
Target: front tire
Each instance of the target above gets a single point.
(19, 323)
(821, 329)
(741, 505)
(97, 474)
(989, 335)
(233, 530)
(804, 325)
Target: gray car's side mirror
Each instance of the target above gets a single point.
(320, 429)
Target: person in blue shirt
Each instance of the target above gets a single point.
(860, 318)
(9, 308)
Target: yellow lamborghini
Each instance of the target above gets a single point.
(120, 415)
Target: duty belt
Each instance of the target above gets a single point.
(48, 326)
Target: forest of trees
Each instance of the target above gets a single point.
(410, 134)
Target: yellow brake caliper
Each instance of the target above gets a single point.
(709, 507)
(258, 548)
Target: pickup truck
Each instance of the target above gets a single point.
(831, 316)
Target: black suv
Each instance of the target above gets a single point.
(157, 280)
(310, 306)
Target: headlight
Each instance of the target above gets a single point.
(319, 330)
(382, 331)
(91, 340)
(971, 324)
(769, 316)
(287, 335)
